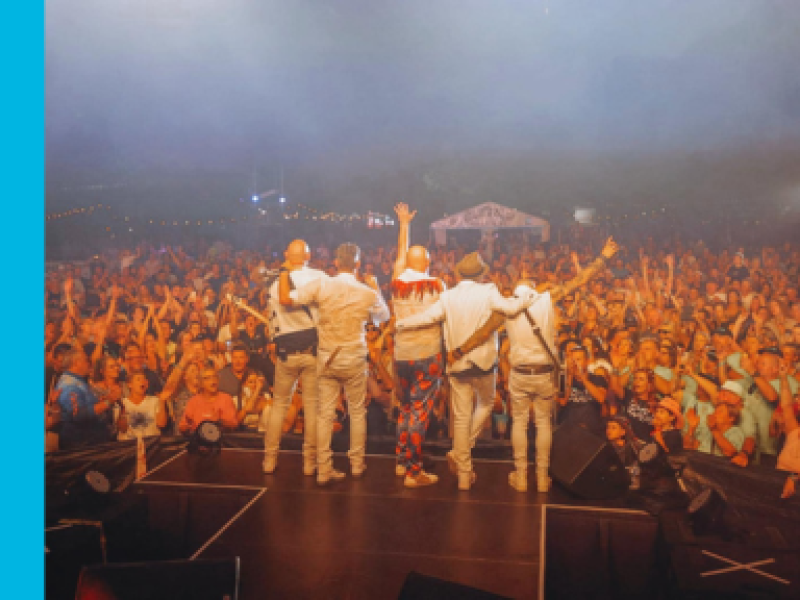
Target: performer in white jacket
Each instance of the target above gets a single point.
(473, 374)
(531, 382)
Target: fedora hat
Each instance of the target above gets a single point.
(471, 266)
(672, 406)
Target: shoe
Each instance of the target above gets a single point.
(309, 468)
(400, 470)
(333, 477)
(269, 465)
(358, 473)
(543, 482)
(451, 462)
(466, 480)
(421, 480)
(518, 480)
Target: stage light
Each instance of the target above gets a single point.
(255, 199)
(207, 439)
(282, 200)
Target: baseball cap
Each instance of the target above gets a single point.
(734, 386)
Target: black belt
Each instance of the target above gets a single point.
(534, 369)
(310, 350)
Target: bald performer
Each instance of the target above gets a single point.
(418, 353)
(293, 330)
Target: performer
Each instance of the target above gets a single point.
(532, 365)
(344, 306)
(294, 334)
(417, 352)
(473, 373)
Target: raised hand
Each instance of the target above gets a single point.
(610, 248)
(402, 212)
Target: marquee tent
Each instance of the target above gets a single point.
(488, 218)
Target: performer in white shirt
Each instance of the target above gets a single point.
(344, 306)
(293, 330)
(530, 383)
(474, 373)
(418, 353)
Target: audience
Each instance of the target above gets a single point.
(681, 345)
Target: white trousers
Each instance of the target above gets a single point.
(528, 391)
(302, 367)
(349, 371)
(472, 398)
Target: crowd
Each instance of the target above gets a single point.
(669, 341)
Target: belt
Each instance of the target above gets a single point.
(534, 369)
(309, 350)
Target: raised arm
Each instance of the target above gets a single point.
(588, 272)
(670, 260)
(787, 408)
(404, 218)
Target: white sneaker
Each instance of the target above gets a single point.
(333, 477)
(400, 470)
(518, 480)
(542, 482)
(421, 480)
(309, 468)
(451, 462)
(269, 465)
(466, 480)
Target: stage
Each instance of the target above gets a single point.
(361, 538)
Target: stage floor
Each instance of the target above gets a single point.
(361, 537)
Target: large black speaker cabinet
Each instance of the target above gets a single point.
(586, 465)
(213, 579)
(423, 587)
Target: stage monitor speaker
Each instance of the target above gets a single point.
(213, 579)
(586, 465)
(423, 587)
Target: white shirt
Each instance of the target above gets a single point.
(463, 309)
(290, 319)
(141, 418)
(422, 342)
(345, 305)
(526, 349)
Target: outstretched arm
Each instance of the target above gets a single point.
(404, 218)
(588, 272)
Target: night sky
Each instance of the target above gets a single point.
(188, 105)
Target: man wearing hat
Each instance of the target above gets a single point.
(734, 395)
(531, 378)
(762, 398)
(723, 422)
(472, 373)
(667, 425)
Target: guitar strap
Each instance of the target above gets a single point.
(537, 331)
(304, 307)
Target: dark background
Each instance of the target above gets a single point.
(185, 108)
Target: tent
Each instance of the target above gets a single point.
(488, 218)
